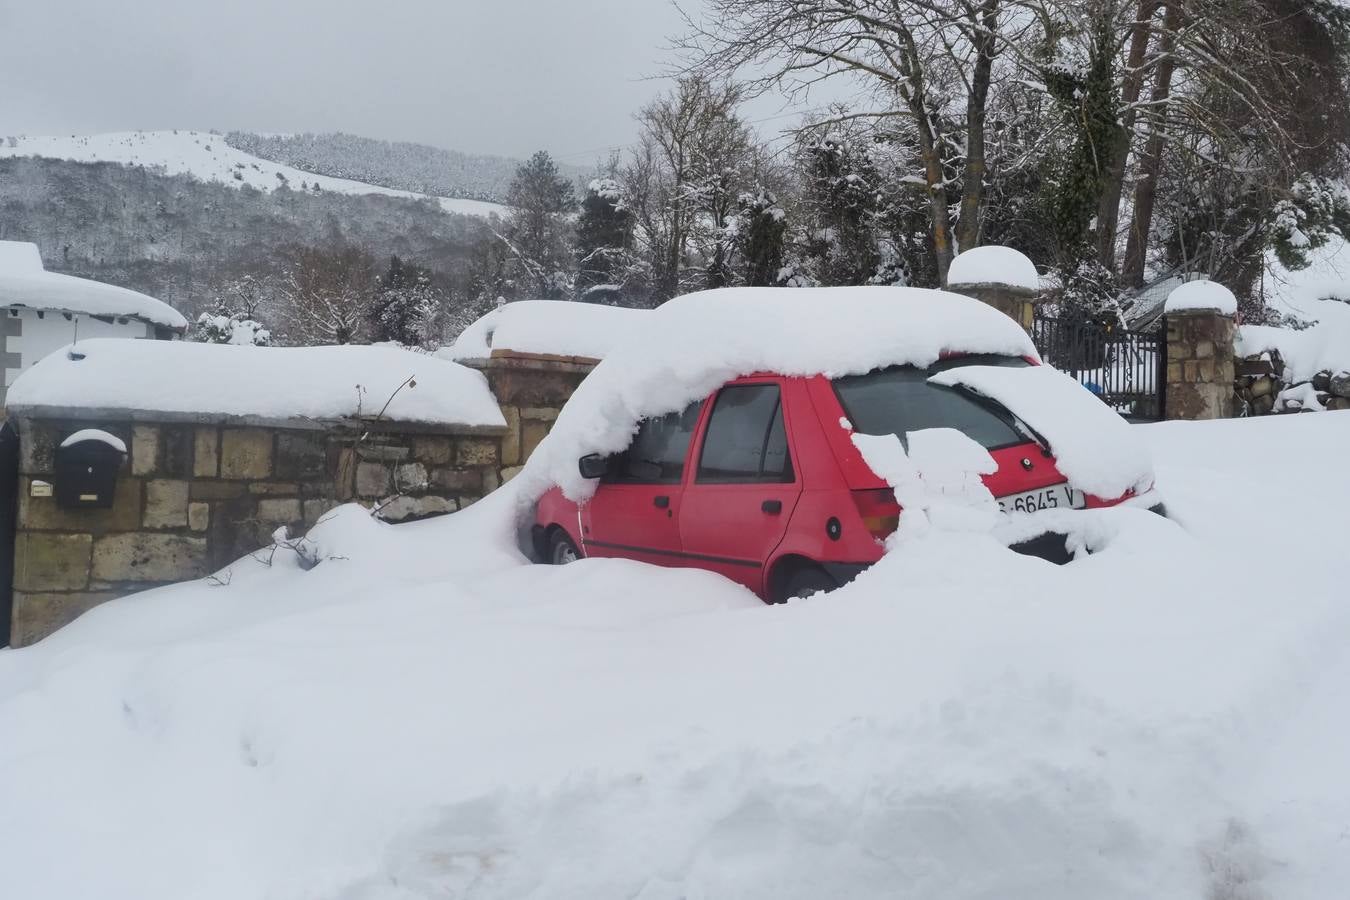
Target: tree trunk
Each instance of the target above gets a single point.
(1150, 166)
(1108, 211)
(972, 187)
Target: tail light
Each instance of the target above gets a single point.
(879, 512)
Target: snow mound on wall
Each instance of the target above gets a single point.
(1202, 295)
(211, 380)
(1094, 447)
(993, 265)
(557, 327)
(207, 157)
(24, 282)
(695, 343)
(1325, 347)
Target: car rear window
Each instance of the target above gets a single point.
(899, 399)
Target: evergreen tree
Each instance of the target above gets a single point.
(604, 241)
(537, 234)
(404, 306)
(758, 237)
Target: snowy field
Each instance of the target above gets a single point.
(423, 715)
(207, 157)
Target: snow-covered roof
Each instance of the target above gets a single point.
(689, 346)
(1202, 295)
(24, 282)
(555, 327)
(220, 381)
(994, 265)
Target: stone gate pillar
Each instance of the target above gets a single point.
(1200, 334)
(1001, 277)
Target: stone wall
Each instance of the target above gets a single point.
(1200, 365)
(1264, 385)
(192, 497)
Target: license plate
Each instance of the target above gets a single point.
(1057, 496)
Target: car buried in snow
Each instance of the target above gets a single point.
(762, 481)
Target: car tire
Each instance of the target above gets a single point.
(561, 550)
(801, 582)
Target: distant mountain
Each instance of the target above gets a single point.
(392, 164)
(208, 157)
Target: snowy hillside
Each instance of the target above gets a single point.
(207, 157)
(424, 716)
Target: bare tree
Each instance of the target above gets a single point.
(328, 292)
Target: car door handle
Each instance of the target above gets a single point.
(772, 507)
(661, 501)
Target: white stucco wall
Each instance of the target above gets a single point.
(41, 333)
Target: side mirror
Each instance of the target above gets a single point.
(593, 465)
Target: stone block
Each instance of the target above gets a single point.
(433, 450)
(372, 480)
(166, 503)
(199, 516)
(405, 508)
(1204, 349)
(539, 413)
(457, 480)
(1340, 384)
(205, 452)
(149, 557)
(510, 472)
(383, 452)
(42, 513)
(217, 490)
(477, 452)
(1173, 372)
(301, 455)
(279, 512)
(1190, 371)
(144, 449)
(245, 453)
(1204, 371)
(51, 562)
(274, 489)
(37, 448)
(315, 508)
(176, 451)
(491, 481)
(411, 477)
(37, 615)
(531, 433)
(510, 447)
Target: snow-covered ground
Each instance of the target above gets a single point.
(208, 158)
(424, 715)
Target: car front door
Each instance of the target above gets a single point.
(737, 504)
(634, 513)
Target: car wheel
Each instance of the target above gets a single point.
(561, 550)
(803, 581)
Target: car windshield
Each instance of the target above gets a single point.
(899, 399)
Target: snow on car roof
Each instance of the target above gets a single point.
(688, 347)
(555, 327)
(24, 282)
(206, 381)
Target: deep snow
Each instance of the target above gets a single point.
(422, 715)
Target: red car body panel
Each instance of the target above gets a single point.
(836, 510)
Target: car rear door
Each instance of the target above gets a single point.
(744, 486)
(634, 513)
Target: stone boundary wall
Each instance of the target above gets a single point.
(195, 495)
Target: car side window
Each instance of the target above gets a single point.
(746, 441)
(658, 450)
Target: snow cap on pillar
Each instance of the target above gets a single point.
(1202, 296)
(993, 265)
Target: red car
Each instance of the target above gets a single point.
(761, 483)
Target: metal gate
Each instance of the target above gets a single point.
(1126, 369)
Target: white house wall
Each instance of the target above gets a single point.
(30, 334)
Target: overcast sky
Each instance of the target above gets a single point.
(484, 76)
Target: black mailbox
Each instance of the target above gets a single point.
(86, 470)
